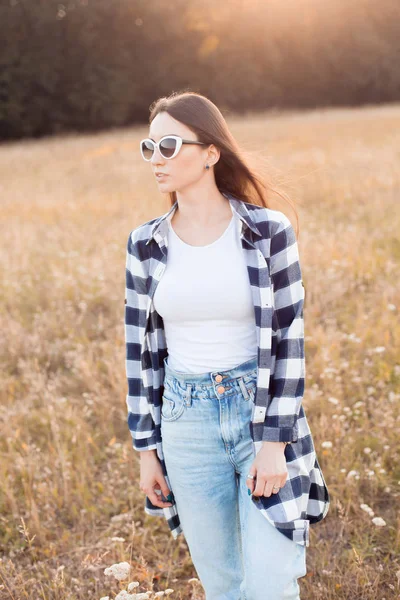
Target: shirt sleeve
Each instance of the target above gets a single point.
(287, 380)
(140, 420)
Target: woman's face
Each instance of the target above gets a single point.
(188, 166)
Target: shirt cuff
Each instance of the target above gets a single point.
(280, 434)
(144, 444)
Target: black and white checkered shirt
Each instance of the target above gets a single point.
(271, 253)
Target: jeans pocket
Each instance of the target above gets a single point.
(172, 406)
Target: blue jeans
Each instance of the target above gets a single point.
(208, 451)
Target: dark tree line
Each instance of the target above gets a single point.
(92, 64)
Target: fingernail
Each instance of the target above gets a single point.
(249, 492)
(169, 497)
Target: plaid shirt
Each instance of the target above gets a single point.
(271, 253)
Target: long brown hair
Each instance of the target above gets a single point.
(233, 173)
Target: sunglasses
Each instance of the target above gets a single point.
(168, 146)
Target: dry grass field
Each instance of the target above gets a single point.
(70, 503)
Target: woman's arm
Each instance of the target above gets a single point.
(140, 421)
(287, 381)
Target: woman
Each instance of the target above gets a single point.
(215, 363)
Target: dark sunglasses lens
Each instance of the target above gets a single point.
(167, 147)
(147, 149)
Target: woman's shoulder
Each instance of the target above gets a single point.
(270, 220)
(141, 234)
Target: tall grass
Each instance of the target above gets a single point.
(70, 503)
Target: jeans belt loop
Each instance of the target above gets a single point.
(243, 388)
(188, 394)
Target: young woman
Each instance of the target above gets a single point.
(215, 362)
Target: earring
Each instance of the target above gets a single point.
(207, 166)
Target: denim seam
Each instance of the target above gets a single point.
(241, 534)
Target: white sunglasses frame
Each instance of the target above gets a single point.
(179, 142)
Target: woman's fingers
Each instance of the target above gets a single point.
(265, 485)
(251, 482)
(152, 481)
(269, 487)
(156, 499)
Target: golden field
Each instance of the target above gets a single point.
(70, 503)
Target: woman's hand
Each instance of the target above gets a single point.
(152, 478)
(269, 468)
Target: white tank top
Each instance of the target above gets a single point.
(204, 298)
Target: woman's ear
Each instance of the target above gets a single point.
(213, 155)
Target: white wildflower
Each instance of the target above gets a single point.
(117, 539)
(367, 450)
(378, 521)
(326, 444)
(391, 306)
(379, 349)
(119, 570)
(168, 591)
(352, 473)
(133, 585)
(352, 337)
(333, 400)
(123, 595)
(105, 598)
(193, 580)
(367, 509)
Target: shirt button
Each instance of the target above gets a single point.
(220, 389)
(218, 378)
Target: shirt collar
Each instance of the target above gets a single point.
(160, 226)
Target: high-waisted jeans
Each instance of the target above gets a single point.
(208, 451)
